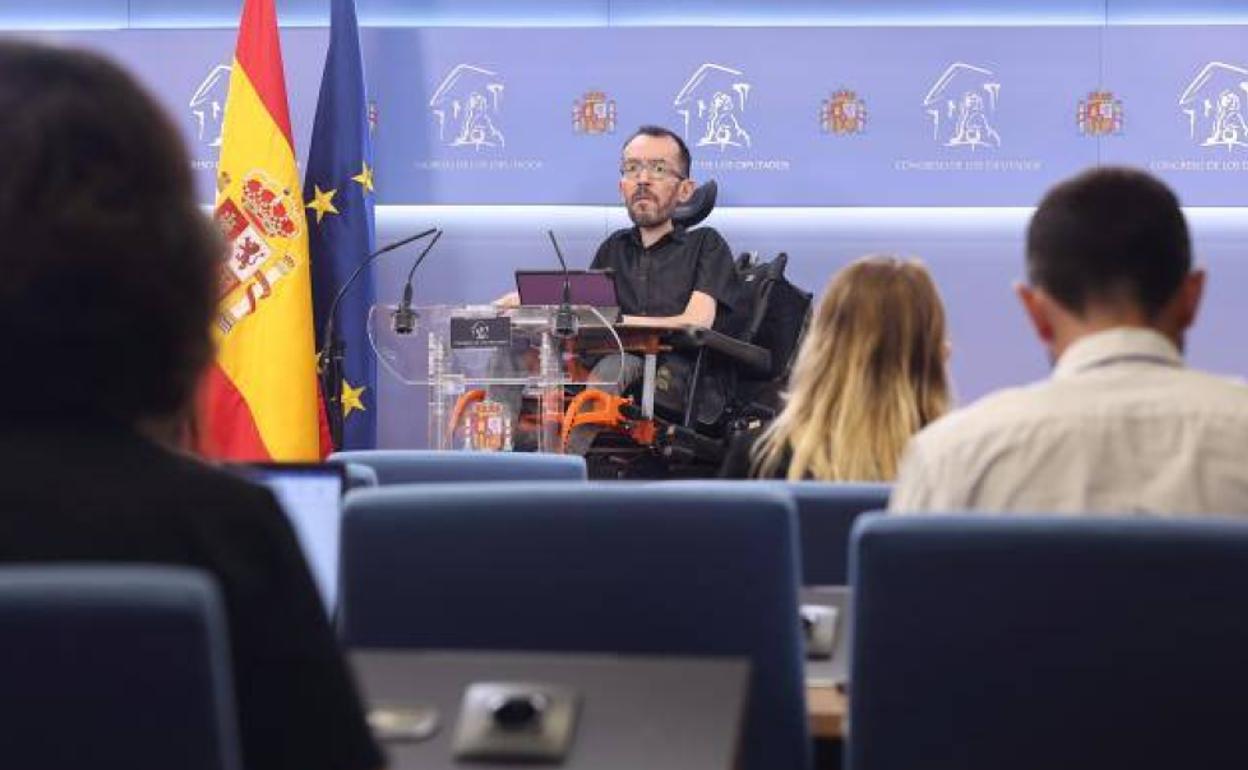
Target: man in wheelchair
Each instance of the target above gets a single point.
(683, 281)
(692, 313)
(665, 275)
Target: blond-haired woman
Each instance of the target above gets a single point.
(869, 374)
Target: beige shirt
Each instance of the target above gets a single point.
(1120, 427)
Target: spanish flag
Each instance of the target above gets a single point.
(260, 400)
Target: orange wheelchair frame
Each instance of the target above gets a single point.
(591, 406)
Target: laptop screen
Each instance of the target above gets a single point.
(311, 496)
(595, 288)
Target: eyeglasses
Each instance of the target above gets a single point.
(659, 169)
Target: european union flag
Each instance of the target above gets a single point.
(339, 181)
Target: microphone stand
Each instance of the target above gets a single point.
(333, 350)
(403, 321)
(565, 318)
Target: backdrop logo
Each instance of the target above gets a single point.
(1100, 114)
(712, 103)
(208, 105)
(843, 113)
(962, 103)
(466, 106)
(593, 113)
(1214, 105)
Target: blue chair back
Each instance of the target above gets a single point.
(825, 516)
(989, 642)
(411, 466)
(360, 476)
(602, 567)
(114, 666)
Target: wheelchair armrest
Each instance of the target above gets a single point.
(692, 338)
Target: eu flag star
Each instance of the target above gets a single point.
(365, 178)
(322, 202)
(352, 399)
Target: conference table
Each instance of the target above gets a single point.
(434, 709)
(826, 705)
(718, 694)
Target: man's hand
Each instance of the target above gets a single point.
(510, 299)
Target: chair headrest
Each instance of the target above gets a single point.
(699, 205)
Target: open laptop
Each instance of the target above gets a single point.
(311, 496)
(591, 288)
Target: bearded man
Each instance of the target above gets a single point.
(665, 275)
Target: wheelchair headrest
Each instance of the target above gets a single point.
(699, 205)
(752, 268)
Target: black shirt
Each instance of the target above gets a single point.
(94, 493)
(658, 281)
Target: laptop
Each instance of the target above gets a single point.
(590, 288)
(311, 496)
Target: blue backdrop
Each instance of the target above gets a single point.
(835, 129)
(849, 116)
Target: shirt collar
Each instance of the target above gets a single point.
(1114, 345)
(676, 235)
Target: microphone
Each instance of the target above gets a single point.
(330, 359)
(565, 319)
(403, 319)
(328, 335)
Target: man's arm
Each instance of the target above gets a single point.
(700, 311)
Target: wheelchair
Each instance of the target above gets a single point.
(714, 386)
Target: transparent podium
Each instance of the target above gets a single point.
(492, 379)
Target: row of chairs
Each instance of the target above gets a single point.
(978, 642)
(480, 582)
(825, 511)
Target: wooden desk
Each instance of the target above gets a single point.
(826, 706)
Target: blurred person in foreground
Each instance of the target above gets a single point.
(869, 374)
(1122, 425)
(110, 275)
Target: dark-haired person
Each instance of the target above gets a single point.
(1122, 425)
(109, 283)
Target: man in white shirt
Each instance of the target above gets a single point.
(1121, 426)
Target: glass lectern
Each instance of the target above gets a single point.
(493, 379)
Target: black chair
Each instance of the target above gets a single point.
(699, 205)
(754, 365)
